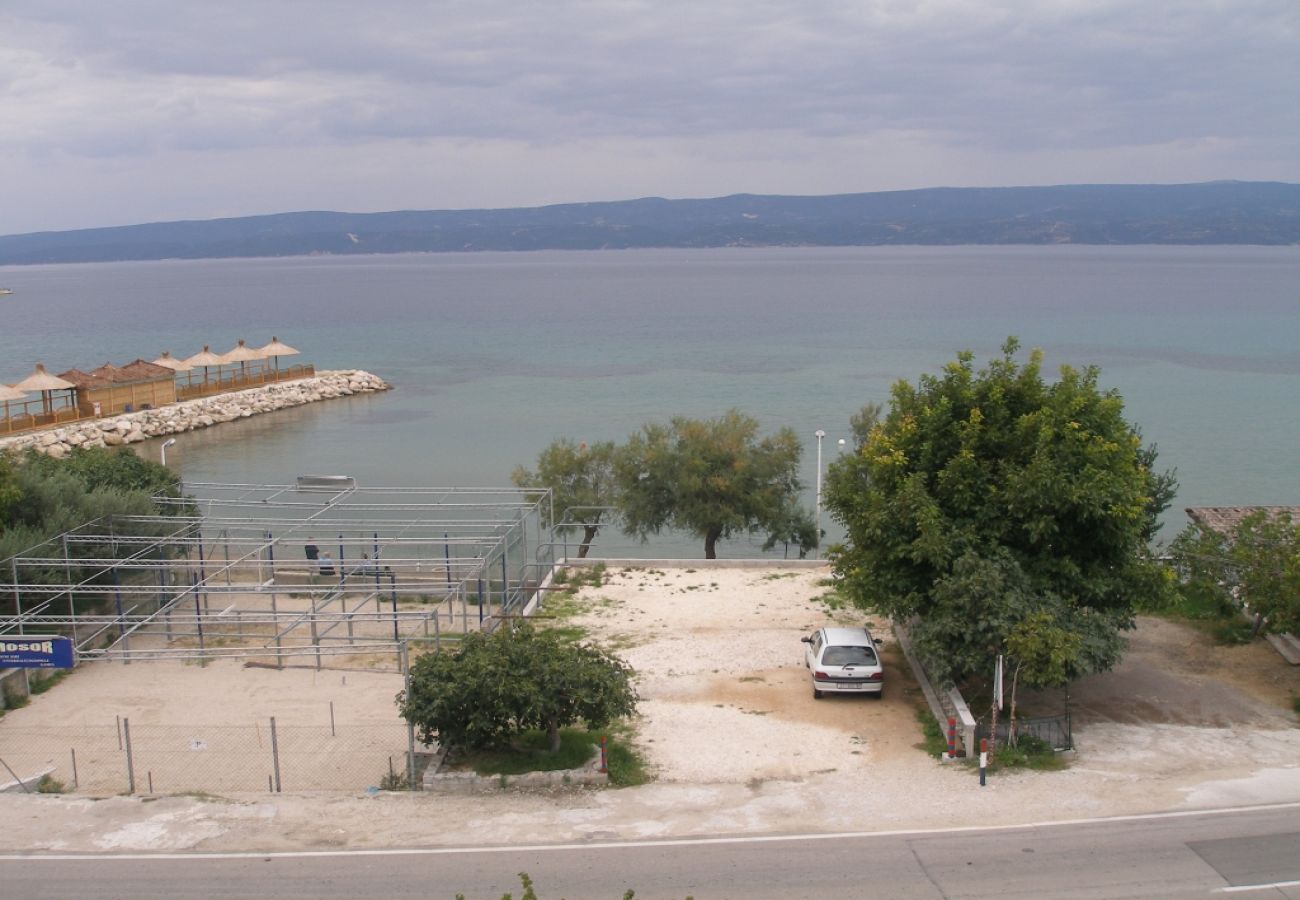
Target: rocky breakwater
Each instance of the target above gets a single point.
(131, 428)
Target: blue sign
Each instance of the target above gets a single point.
(35, 652)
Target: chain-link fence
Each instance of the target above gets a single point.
(124, 757)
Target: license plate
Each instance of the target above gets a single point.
(852, 687)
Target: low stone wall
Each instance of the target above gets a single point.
(441, 782)
(131, 428)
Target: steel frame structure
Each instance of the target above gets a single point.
(233, 579)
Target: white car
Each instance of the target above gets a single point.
(844, 660)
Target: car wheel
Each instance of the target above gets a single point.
(817, 695)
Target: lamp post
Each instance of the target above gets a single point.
(170, 442)
(818, 550)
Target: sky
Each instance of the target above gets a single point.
(153, 110)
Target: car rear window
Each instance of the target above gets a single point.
(849, 656)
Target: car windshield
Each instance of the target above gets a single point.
(849, 656)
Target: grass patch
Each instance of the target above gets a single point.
(933, 741)
(777, 576)
(626, 767)
(1030, 753)
(529, 753)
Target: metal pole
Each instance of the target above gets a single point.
(198, 613)
(392, 587)
(817, 550)
(75, 781)
(410, 726)
(446, 554)
(72, 596)
(203, 572)
(275, 755)
(121, 617)
(130, 763)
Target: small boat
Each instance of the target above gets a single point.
(4, 291)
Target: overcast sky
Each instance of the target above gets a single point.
(147, 110)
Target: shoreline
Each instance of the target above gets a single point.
(191, 415)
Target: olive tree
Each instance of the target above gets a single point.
(581, 479)
(713, 478)
(496, 686)
(982, 497)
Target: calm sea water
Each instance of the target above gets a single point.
(494, 355)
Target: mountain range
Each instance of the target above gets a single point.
(1222, 212)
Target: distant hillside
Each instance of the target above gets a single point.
(1214, 213)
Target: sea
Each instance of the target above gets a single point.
(494, 355)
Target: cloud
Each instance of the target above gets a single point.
(779, 84)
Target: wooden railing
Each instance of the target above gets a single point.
(192, 384)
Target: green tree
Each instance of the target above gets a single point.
(498, 685)
(581, 480)
(9, 491)
(46, 496)
(983, 496)
(793, 525)
(712, 478)
(1043, 653)
(1256, 563)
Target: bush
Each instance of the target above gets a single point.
(498, 686)
(48, 785)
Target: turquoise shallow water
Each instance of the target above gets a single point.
(494, 355)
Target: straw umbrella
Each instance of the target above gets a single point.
(170, 362)
(242, 353)
(8, 393)
(43, 381)
(276, 349)
(205, 358)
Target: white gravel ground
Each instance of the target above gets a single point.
(735, 738)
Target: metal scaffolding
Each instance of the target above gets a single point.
(230, 573)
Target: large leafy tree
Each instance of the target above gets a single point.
(499, 685)
(983, 497)
(581, 479)
(713, 478)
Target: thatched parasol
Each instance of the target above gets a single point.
(276, 349)
(170, 362)
(205, 358)
(43, 381)
(242, 353)
(7, 393)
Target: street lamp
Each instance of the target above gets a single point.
(817, 550)
(163, 450)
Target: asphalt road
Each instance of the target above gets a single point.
(1246, 852)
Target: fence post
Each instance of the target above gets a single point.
(332, 732)
(130, 763)
(952, 737)
(75, 782)
(410, 726)
(275, 755)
